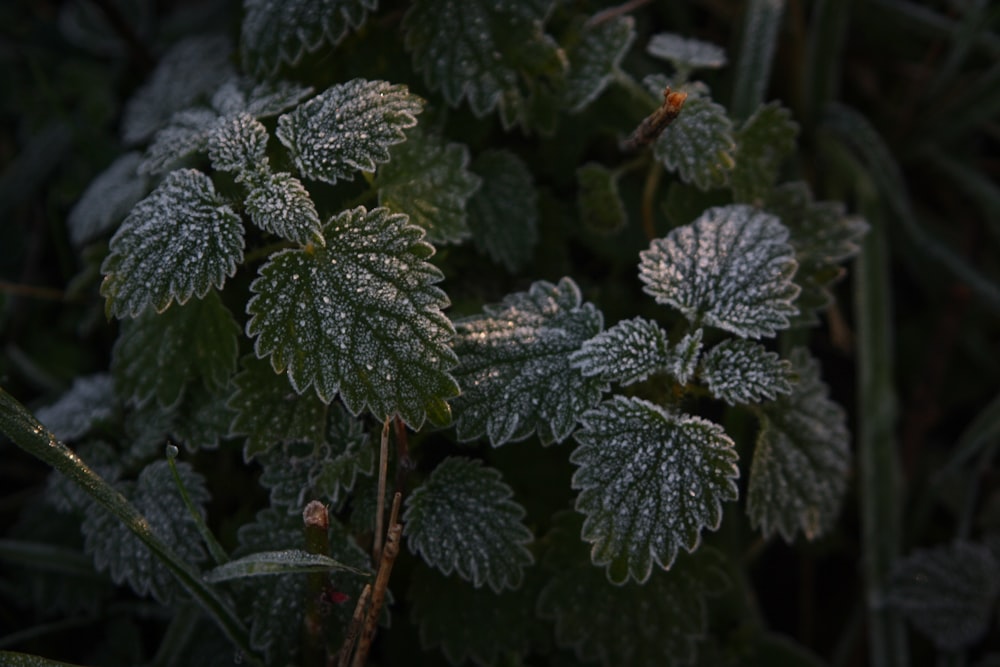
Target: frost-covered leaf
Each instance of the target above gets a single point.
(684, 360)
(649, 481)
(107, 199)
(699, 145)
(276, 33)
(274, 563)
(685, 53)
(155, 495)
(180, 241)
(189, 132)
(948, 592)
(360, 317)
(515, 370)
(627, 353)
(798, 476)
(160, 355)
(429, 180)
(594, 55)
(503, 212)
(90, 400)
(202, 419)
(280, 204)
(239, 144)
(259, 99)
(462, 519)
(492, 52)
(597, 198)
(348, 128)
(763, 143)
(731, 268)
(741, 371)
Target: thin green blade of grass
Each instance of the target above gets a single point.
(760, 40)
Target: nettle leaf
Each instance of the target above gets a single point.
(593, 56)
(798, 476)
(429, 180)
(260, 99)
(649, 481)
(763, 143)
(347, 128)
(280, 33)
(107, 199)
(360, 318)
(731, 268)
(948, 592)
(684, 361)
(462, 519)
(699, 145)
(627, 353)
(89, 401)
(515, 369)
(491, 52)
(160, 355)
(503, 212)
(597, 198)
(280, 204)
(180, 241)
(686, 54)
(155, 495)
(741, 371)
(189, 132)
(202, 419)
(238, 144)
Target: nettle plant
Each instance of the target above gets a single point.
(273, 268)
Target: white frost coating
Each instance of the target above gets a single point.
(594, 59)
(684, 360)
(627, 353)
(741, 371)
(239, 143)
(107, 199)
(699, 145)
(279, 203)
(89, 400)
(731, 268)
(685, 53)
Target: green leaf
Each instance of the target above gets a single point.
(280, 33)
(627, 353)
(741, 371)
(515, 365)
(107, 200)
(360, 318)
(798, 476)
(89, 401)
(948, 592)
(202, 419)
(763, 143)
(684, 361)
(731, 268)
(462, 519)
(239, 144)
(685, 53)
(347, 128)
(649, 481)
(279, 203)
(270, 563)
(160, 355)
(180, 241)
(189, 132)
(428, 180)
(503, 212)
(699, 145)
(594, 56)
(597, 198)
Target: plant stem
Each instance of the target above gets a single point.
(760, 40)
(219, 554)
(383, 464)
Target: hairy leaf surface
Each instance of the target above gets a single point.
(741, 371)
(627, 353)
(108, 199)
(686, 53)
(238, 143)
(763, 143)
(594, 55)
(503, 212)
(699, 145)
(280, 204)
(684, 361)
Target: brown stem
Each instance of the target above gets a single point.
(611, 12)
(316, 518)
(648, 199)
(653, 125)
(378, 592)
(383, 465)
(347, 648)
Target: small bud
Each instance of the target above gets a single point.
(316, 515)
(172, 451)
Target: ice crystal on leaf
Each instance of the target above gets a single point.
(684, 53)
(600, 205)
(238, 144)
(699, 145)
(684, 360)
(360, 318)
(107, 199)
(741, 371)
(627, 353)
(280, 204)
(594, 56)
(90, 400)
(348, 128)
(180, 241)
(649, 481)
(731, 268)
(799, 471)
(763, 143)
(503, 212)
(462, 519)
(515, 369)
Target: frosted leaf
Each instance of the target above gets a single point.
(160, 355)
(259, 99)
(189, 132)
(280, 204)
(360, 318)
(276, 33)
(429, 180)
(597, 198)
(269, 412)
(684, 53)
(763, 144)
(798, 476)
(191, 69)
(462, 519)
(156, 496)
(89, 401)
(627, 353)
(503, 212)
(948, 592)
(731, 268)
(649, 481)
(594, 56)
(239, 144)
(107, 199)
(491, 52)
(515, 370)
(202, 419)
(684, 360)
(347, 128)
(699, 145)
(180, 241)
(741, 371)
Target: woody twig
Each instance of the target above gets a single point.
(653, 125)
